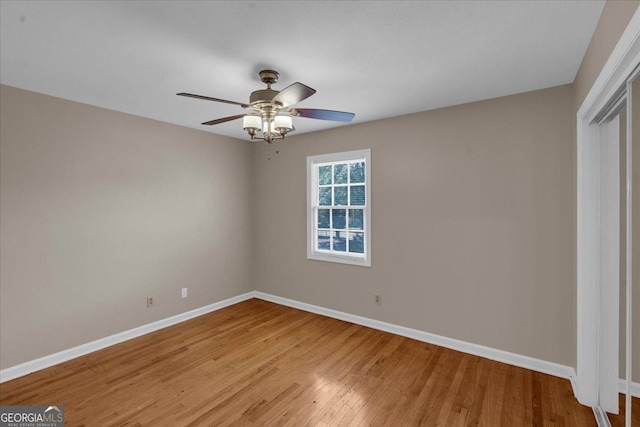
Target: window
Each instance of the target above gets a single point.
(339, 207)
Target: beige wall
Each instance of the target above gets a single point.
(472, 223)
(101, 209)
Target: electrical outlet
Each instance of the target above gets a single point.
(149, 301)
(378, 299)
(184, 292)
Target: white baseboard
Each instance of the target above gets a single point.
(635, 388)
(466, 347)
(65, 355)
(527, 362)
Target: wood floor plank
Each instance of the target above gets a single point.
(258, 363)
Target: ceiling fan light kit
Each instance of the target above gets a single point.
(271, 129)
(270, 117)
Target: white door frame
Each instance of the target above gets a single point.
(606, 90)
(609, 225)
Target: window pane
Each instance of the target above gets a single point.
(323, 218)
(339, 218)
(325, 196)
(324, 175)
(339, 211)
(356, 170)
(340, 196)
(356, 243)
(356, 219)
(324, 240)
(340, 241)
(340, 174)
(357, 195)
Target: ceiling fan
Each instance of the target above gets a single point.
(270, 115)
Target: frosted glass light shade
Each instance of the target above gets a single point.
(283, 122)
(251, 122)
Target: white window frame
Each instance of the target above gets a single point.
(313, 162)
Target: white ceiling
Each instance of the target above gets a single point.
(377, 59)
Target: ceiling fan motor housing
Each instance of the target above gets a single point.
(263, 95)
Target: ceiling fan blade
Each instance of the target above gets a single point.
(312, 113)
(293, 94)
(224, 119)
(208, 98)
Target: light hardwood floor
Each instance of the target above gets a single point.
(258, 363)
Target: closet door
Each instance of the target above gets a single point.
(619, 306)
(609, 220)
(632, 258)
(629, 266)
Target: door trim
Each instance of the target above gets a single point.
(605, 91)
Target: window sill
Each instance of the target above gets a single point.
(362, 262)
